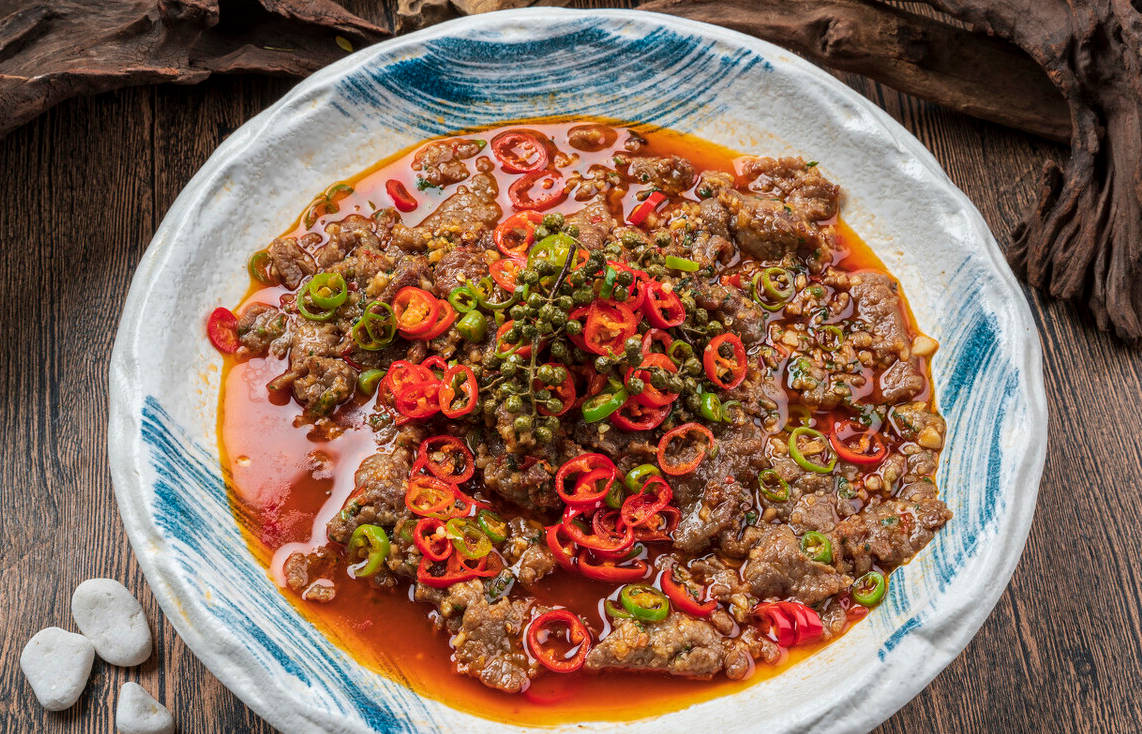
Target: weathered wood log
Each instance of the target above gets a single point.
(980, 76)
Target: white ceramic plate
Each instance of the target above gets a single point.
(696, 78)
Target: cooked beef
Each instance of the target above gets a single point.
(891, 532)
(289, 262)
(488, 644)
(260, 325)
(594, 223)
(310, 574)
(766, 228)
(796, 183)
(411, 270)
(878, 312)
(460, 265)
(901, 381)
(379, 484)
(527, 552)
(441, 162)
(472, 207)
(678, 645)
(721, 508)
(530, 485)
(777, 569)
(671, 175)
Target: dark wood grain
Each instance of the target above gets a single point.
(84, 187)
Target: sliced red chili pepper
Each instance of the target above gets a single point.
(638, 509)
(425, 573)
(668, 458)
(636, 290)
(651, 396)
(416, 311)
(807, 621)
(402, 200)
(571, 471)
(777, 623)
(468, 390)
(609, 542)
(504, 271)
(515, 235)
(401, 374)
(662, 306)
(419, 400)
(550, 191)
(431, 540)
(520, 151)
(639, 214)
(660, 526)
(565, 391)
(682, 599)
(567, 657)
(611, 572)
(429, 496)
(446, 316)
(870, 449)
(719, 365)
(634, 416)
(608, 327)
(564, 553)
(435, 362)
(523, 350)
(447, 458)
(656, 336)
(222, 329)
(734, 280)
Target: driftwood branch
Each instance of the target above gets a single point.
(974, 74)
(51, 51)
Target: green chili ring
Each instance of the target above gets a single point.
(463, 299)
(646, 603)
(636, 478)
(305, 311)
(370, 322)
(804, 463)
(259, 267)
(483, 290)
(765, 479)
(817, 546)
(367, 381)
(615, 611)
(869, 589)
(493, 526)
(603, 405)
(837, 341)
(710, 406)
(335, 283)
(674, 262)
(467, 538)
(377, 540)
(473, 326)
(679, 351)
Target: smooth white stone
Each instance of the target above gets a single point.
(57, 664)
(112, 618)
(138, 713)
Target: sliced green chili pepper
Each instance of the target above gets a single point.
(869, 589)
(817, 546)
(804, 463)
(327, 290)
(711, 406)
(680, 263)
(259, 267)
(614, 610)
(473, 327)
(615, 496)
(483, 290)
(799, 415)
(500, 586)
(763, 285)
(636, 477)
(646, 603)
(463, 299)
(493, 525)
(335, 188)
(468, 540)
(554, 248)
(679, 351)
(377, 540)
(602, 405)
(376, 328)
(766, 479)
(608, 288)
(728, 406)
(367, 381)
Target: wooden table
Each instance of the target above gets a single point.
(84, 188)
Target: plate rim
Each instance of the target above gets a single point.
(125, 458)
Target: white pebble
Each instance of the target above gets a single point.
(57, 663)
(109, 616)
(138, 713)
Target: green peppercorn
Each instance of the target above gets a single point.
(602, 363)
(522, 423)
(620, 293)
(658, 379)
(554, 221)
(572, 230)
(512, 335)
(534, 300)
(635, 385)
(554, 405)
(509, 369)
(632, 359)
(491, 359)
(565, 302)
(518, 312)
(529, 331)
(541, 232)
(688, 302)
(560, 374)
(559, 318)
(624, 277)
(544, 373)
(542, 395)
(715, 327)
(583, 296)
(543, 434)
(631, 239)
(577, 278)
(578, 354)
(692, 366)
(675, 384)
(514, 404)
(662, 238)
(693, 401)
(701, 315)
(574, 328)
(559, 350)
(543, 326)
(515, 360)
